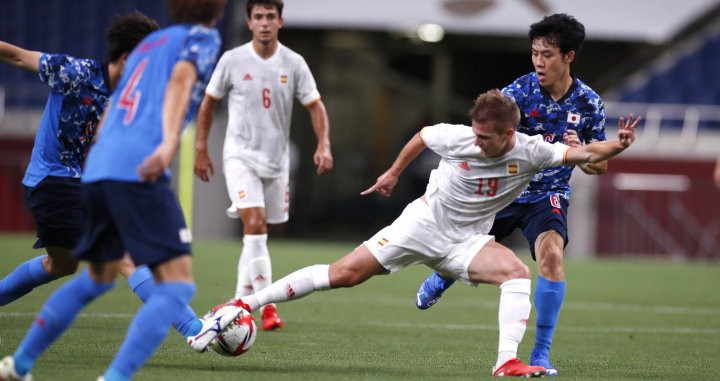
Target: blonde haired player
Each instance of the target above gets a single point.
(483, 169)
(261, 78)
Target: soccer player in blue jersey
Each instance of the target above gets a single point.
(79, 92)
(552, 102)
(127, 195)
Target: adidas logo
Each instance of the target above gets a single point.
(464, 165)
(247, 77)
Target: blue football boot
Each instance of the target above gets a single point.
(543, 359)
(431, 290)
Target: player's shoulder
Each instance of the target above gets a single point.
(586, 92)
(448, 131)
(286, 51)
(69, 60)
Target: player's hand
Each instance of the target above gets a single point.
(323, 159)
(571, 138)
(384, 184)
(626, 130)
(203, 165)
(155, 165)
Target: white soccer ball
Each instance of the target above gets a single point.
(237, 338)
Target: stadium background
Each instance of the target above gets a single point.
(385, 69)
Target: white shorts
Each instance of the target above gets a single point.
(413, 239)
(247, 190)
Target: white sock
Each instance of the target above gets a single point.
(291, 287)
(244, 285)
(513, 314)
(259, 274)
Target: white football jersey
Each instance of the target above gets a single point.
(467, 189)
(260, 104)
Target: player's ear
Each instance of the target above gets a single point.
(569, 56)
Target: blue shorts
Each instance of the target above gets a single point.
(534, 219)
(143, 219)
(58, 211)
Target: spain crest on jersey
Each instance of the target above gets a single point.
(512, 168)
(283, 78)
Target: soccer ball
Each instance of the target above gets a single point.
(237, 338)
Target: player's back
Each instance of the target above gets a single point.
(133, 125)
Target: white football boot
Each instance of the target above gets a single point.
(8, 373)
(212, 324)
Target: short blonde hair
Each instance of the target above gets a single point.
(495, 106)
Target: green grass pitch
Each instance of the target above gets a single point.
(622, 320)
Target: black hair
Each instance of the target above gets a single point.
(277, 4)
(561, 30)
(127, 31)
(195, 11)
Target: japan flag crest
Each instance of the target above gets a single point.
(573, 118)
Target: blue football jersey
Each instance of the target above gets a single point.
(580, 109)
(79, 92)
(132, 128)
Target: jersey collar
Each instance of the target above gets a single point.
(567, 94)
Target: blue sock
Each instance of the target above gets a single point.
(23, 279)
(149, 327)
(56, 316)
(143, 285)
(549, 296)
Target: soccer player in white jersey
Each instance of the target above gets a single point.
(261, 77)
(482, 170)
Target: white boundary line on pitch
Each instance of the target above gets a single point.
(581, 306)
(469, 327)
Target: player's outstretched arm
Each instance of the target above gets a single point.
(175, 106)
(203, 164)
(572, 139)
(17, 56)
(600, 151)
(321, 124)
(387, 181)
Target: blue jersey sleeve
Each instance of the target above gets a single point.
(518, 90)
(67, 75)
(201, 47)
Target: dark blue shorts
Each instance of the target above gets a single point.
(58, 211)
(144, 219)
(534, 218)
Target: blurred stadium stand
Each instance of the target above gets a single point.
(381, 82)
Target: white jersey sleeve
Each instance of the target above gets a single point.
(220, 82)
(305, 88)
(444, 138)
(546, 155)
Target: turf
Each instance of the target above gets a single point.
(622, 320)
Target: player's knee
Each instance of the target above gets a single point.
(255, 225)
(517, 270)
(551, 264)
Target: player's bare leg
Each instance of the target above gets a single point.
(549, 295)
(60, 261)
(498, 265)
(351, 270)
